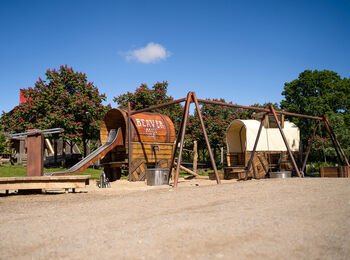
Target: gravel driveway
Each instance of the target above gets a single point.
(273, 218)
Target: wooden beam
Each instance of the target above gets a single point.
(129, 139)
(206, 139)
(195, 156)
(254, 148)
(176, 144)
(183, 130)
(335, 141)
(285, 142)
(309, 146)
(187, 170)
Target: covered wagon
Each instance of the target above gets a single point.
(271, 153)
(152, 142)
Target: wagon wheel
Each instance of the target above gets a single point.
(137, 171)
(259, 167)
(263, 166)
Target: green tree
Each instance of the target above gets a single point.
(145, 97)
(217, 119)
(317, 93)
(65, 99)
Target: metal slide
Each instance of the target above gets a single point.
(115, 138)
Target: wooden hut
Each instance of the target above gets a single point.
(152, 142)
(271, 153)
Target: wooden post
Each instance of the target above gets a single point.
(285, 142)
(64, 157)
(22, 151)
(195, 156)
(60, 147)
(333, 141)
(183, 130)
(49, 146)
(177, 143)
(35, 155)
(129, 139)
(188, 170)
(88, 148)
(222, 155)
(55, 149)
(206, 139)
(254, 149)
(309, 146)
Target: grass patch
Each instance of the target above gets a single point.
(8, 170)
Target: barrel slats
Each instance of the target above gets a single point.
(152, 127)
(165, 146)
(150, 158)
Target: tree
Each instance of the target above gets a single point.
(65, 99)
(144, 97)
(318, 93)
(217, 119)
(4, 144)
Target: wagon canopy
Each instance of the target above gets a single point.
(241, 136)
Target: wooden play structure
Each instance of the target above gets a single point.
(269, 117)
(152, 137)
(271, 152)
(139, 139)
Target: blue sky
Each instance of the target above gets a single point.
(242, 51)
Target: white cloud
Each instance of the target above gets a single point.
(152, 53)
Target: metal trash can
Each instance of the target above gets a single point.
(281, 174)
(157, 176)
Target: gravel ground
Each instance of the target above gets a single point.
(276, 219)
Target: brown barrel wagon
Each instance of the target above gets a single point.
(152, 143)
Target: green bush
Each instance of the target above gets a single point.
(4, 144)
(314, 167)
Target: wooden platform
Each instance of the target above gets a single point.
(234, 173)
(44, 182)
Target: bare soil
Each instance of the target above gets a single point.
(273, 218)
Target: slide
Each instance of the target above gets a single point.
(115, 138)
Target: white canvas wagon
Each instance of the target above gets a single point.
(271, 153)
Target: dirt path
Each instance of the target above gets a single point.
(275, 219)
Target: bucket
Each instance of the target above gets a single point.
(157, 176)
(281, 174)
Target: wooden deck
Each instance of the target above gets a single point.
(44, 182)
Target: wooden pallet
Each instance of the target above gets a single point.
(44, 182)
